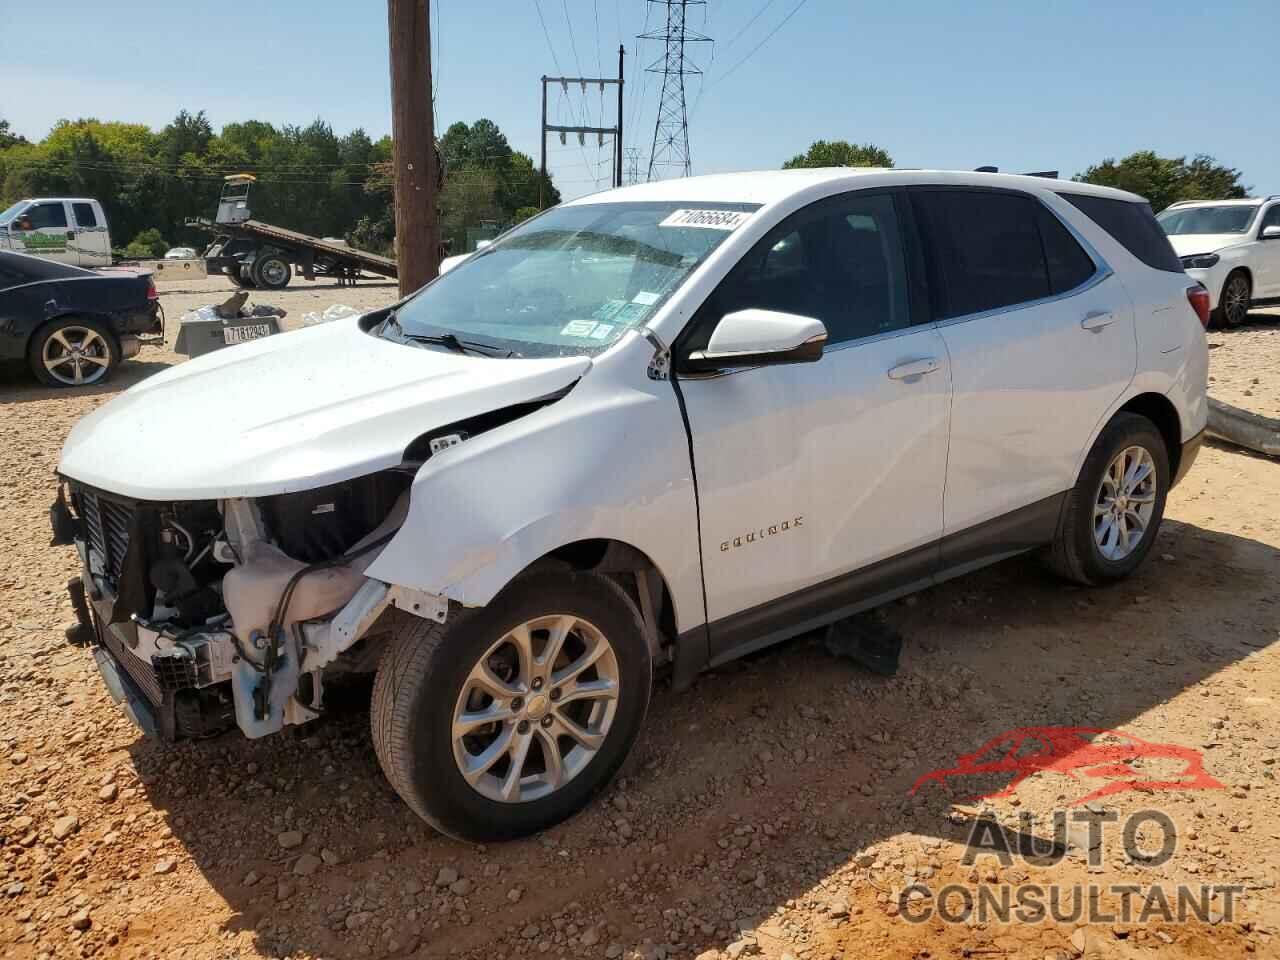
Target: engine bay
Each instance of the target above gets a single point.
(204, 603)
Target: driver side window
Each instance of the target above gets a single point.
(48, 215)
(839, 260)
(1271, 218)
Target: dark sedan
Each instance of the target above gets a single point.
(73, 326)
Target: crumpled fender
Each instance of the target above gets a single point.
(608, 461)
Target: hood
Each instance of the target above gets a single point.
(1190, 244)
(291, 412)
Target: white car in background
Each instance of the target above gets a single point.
(1233, 248)
(665, 425)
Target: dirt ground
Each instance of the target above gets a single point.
(764, 812)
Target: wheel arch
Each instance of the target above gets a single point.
(1160, 410)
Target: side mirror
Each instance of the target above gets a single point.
(1271, 233)
(23, 223)
(754, 338)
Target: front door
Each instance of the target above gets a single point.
(1041, 342)
(1266, 283)
(47, 232)
(808, 473)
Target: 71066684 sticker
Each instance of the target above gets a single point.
(707, 219)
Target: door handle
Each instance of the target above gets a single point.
(913, 368)
(1097, 319)
(71, 234)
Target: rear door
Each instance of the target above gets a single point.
(1041, 342)
(92, 244)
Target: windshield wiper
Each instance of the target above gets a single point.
(450, 340)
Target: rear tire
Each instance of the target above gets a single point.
(73, 352)
(434, 680)
(1108, 527)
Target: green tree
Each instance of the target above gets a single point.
(146, 245)
(7, 137)
(840, 153)
(1166, 180)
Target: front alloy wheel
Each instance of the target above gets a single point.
(1235, 300)
(535, 709)
(507, 718)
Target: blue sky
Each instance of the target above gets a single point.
(938, 83)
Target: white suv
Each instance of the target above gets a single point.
(662, 425)
(1233, 248)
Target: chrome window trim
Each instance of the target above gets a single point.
(1102, 270)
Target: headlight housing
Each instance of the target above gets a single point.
(1201, 261)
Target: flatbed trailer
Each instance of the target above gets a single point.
(255, 254)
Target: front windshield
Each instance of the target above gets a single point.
(11, 212)
(573, 280)
(1234, 218)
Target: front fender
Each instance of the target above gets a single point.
(609, 461)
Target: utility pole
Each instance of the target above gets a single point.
(600, 132)
(413, 145)
(670, 150)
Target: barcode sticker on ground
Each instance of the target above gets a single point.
(708, 219)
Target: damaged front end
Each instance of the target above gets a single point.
(209, 614)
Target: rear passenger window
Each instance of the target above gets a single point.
(1069, 265)
(840, 261)
(1132, 225)
(987, 251)
(85, 216)
(47, 215)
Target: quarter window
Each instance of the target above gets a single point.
(839, 261)
(987, 249)
(1133, 225)
(48, 215)
(85, 216)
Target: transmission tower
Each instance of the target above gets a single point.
(670, 150)
(632, 166)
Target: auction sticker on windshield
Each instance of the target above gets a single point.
(708, 219)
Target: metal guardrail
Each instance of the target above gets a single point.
(1244, 428)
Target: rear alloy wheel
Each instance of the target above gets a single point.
(1236, 293)
(505, 720)
(272, 272)
(73, 353)
(1112, 516)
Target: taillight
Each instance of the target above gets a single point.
(153, 294)
(1198, 297)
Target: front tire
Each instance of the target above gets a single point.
(1113, 514)
(1233, 305)
(507, 719)
(73, 352)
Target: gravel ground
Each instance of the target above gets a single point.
(766, 811)
(1243, 370)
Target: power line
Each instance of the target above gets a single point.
(546, 33)
(747, 26)
(767, 38)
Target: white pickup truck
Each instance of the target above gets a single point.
(69, 229)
